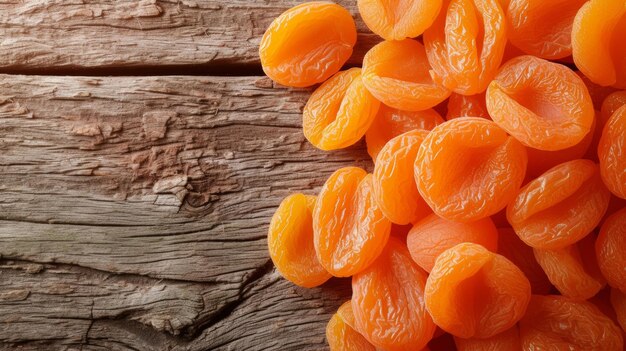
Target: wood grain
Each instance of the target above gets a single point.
(133, 213)
(127, 35)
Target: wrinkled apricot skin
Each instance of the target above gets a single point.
(290, 241)
(573, 269)
(612, 153)
(341, 335)
(522, 255)
(399, 19)
(542, 28)
(339, 112)
(433, 235)
(598, 42)
(618, 301)
(391, 122)
(469, 168)
(394, 182)
(560, 207)
(388, 302)
(610, 104)
(543, 104)
(349, 229)
(397, 74)
(559, 323)
(506, 341)
(307, 44)
(467, 106)
(611, 249)
(474, 293)
(466, 43)
(597, 92)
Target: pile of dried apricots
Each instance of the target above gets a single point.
(501, 226)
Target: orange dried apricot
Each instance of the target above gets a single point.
(388, 301)
(610, 104)
(341, 335)
(506, 341)
(598, 42)
(612, 153)
(465, 44)
(469, 168)
(559, 323)
(433, 235)
(542, 28)
(618, 301)
(573, 270)
(307, 44)
(349, 229)
(467, 106)
(290, 241)
(472, 292)
(561, 206)
(611, 249)
(391, 122)
(543, 104)
(597, 92)
(398, 19)
(339, 112)
(394, 181)
(511, 247)
(397, 74)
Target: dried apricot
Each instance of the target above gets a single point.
(597, 92)
(467, 106)
(506, 341)
(573, 270)
(388, 301)
(465, 44)
(391, 122)
(399, 19)
(474, 293)
(433, 235)
(560, 207)
(611, 249)
(290, 241)
(618, 301)
(342, 337)
(598, 42)
(394, 181)
(349, 228)
(611, 104)
(543, 104)
(612, 153)
(469, 168)
(511, 247)
(559, 323)
(542, 28)
(339, 112)
(397, 74)
(307, 44)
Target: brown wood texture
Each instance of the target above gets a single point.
(134, 210)
(122, 36)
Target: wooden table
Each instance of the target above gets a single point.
(142, 154)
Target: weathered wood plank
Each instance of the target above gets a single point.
(158, 192)
(59, 34)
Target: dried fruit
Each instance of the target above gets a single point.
(559, 323)
(560, 207)
(400, 19)
(339, 112)
(469, 168)
(612, 153)
(466, 43)
(467, 106)
(506, 341)
(611, 249)
(290, 241)
(397, 74)
(618, 300)
(307, 44)
(394, 181)
(433, 235)
(350, 230)
(391, 122)
(341, 335)
(388, 301)
(544, 105)
(474, 293)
